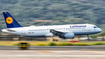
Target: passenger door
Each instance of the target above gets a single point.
(23, 32)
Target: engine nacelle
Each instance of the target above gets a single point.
(67, 35)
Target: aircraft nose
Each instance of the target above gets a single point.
(100, 30)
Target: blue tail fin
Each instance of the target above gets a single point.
(10, 21)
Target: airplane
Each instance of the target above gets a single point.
(62, 31)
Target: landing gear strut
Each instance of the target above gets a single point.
(88, 38)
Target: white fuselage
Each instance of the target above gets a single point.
(37, 31)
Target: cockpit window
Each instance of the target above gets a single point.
(95, 27)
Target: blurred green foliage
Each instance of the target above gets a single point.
(70, 44)
(39, 43)
(59, 11)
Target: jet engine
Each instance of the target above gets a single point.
(67, 35)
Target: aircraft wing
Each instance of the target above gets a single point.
(63, 33)
(58, 32)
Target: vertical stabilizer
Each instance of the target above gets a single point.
(10, 21)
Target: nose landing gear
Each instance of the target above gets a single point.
(88, 38)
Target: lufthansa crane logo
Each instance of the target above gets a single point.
(9, 20)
